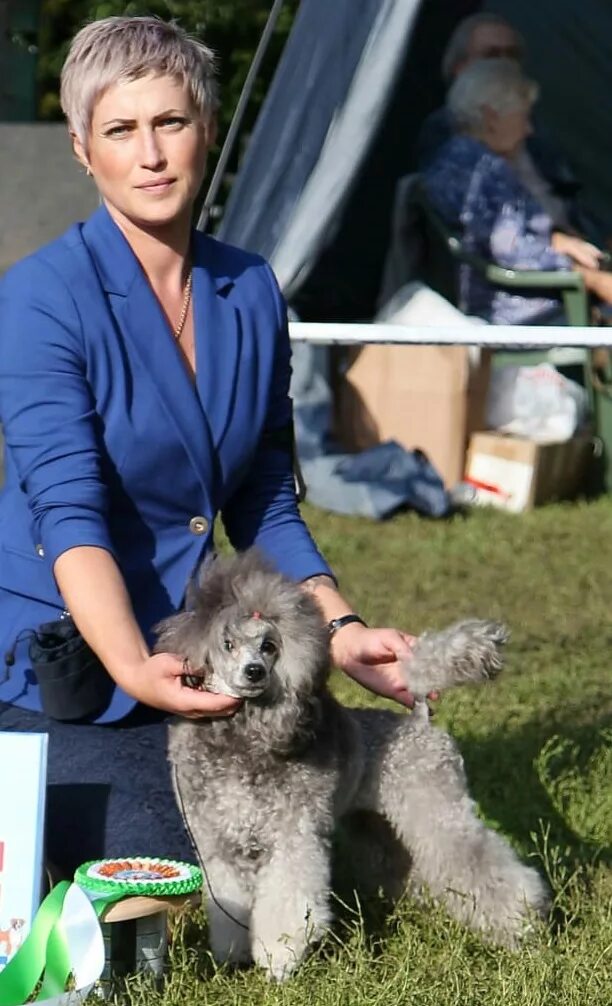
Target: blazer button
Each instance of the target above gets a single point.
(40, 551)
(198, 525)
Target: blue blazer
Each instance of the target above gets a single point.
(109, 442)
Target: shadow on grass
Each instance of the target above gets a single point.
(504, 781)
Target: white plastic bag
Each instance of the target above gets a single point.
(536, 402)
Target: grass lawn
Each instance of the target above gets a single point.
(538, 750)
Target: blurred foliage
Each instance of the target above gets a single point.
(231, 27)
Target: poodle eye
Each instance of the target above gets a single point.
(268, 648)
(229, 646)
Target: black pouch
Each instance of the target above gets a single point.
(74, 684)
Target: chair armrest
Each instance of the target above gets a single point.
(557, 279)
(570, 284)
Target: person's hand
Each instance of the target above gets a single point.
(157, 682)
(376, 659)
(582, 252)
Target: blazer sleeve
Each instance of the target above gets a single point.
(264, 510)
(51, 426)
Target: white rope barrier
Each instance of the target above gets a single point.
(498, 336)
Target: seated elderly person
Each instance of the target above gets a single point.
(542, 169)
(473, 185)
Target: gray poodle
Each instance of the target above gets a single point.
(263, 791)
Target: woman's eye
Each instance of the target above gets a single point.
(116, 131)
(268, 647)
(228, 645)
(174, 121)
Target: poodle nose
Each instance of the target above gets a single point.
(254, 672)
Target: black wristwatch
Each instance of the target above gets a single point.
(337, 623)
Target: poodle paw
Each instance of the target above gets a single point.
(280, 963)
(512, 918)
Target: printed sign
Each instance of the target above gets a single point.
(23, 778)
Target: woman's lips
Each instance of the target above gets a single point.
(160, 186)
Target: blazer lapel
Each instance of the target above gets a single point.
(218, 338)
(143, 323)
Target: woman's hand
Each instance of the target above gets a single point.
(582, 252)
(375, 658)
(158, 682)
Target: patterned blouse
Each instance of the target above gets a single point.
(477, 192)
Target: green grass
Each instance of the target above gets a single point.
(538, 750)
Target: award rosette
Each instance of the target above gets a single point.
(65, 947)
(138, 875)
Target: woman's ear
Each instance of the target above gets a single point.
(79, 151)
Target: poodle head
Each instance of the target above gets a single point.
(249, 632)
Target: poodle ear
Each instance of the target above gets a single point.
(172, 633)
(191, 593)
(203, 571)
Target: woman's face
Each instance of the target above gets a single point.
(147, 151)
(507, 131)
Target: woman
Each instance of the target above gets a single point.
(144, 375)
(474, 184)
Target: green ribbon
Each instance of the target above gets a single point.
(23, 972)
(45, 953)
(44, 958)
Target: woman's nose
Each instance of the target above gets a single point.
(151, 153)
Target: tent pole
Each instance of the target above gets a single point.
(243, 100)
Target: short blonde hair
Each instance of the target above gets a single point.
(495, 83)
(117, 49)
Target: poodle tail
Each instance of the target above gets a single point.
(469, 651)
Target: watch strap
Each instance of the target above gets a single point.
(338, 623)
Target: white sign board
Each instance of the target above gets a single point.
(23, 777)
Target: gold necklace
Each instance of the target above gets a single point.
(178, 331)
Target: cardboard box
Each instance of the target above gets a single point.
(429, 397)
(516, 474)
(22, 813)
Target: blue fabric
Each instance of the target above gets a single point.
(374, 483)
(109, 443)
(477, 193)
(377, 482)
(109, 789)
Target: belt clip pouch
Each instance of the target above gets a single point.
(73, 683)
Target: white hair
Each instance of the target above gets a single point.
(458, 44)
(117, 49)
(495, 83)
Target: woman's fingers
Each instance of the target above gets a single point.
(159, 682)
(209, 704)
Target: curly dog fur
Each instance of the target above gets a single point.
(263, 790)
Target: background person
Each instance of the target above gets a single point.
(144, 376)
(541, 168)
(474, 185)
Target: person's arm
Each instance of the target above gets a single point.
(582, 253)
(598, 282)
(374, 657)
(95, 594)
(264, 512)
(50, 427)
